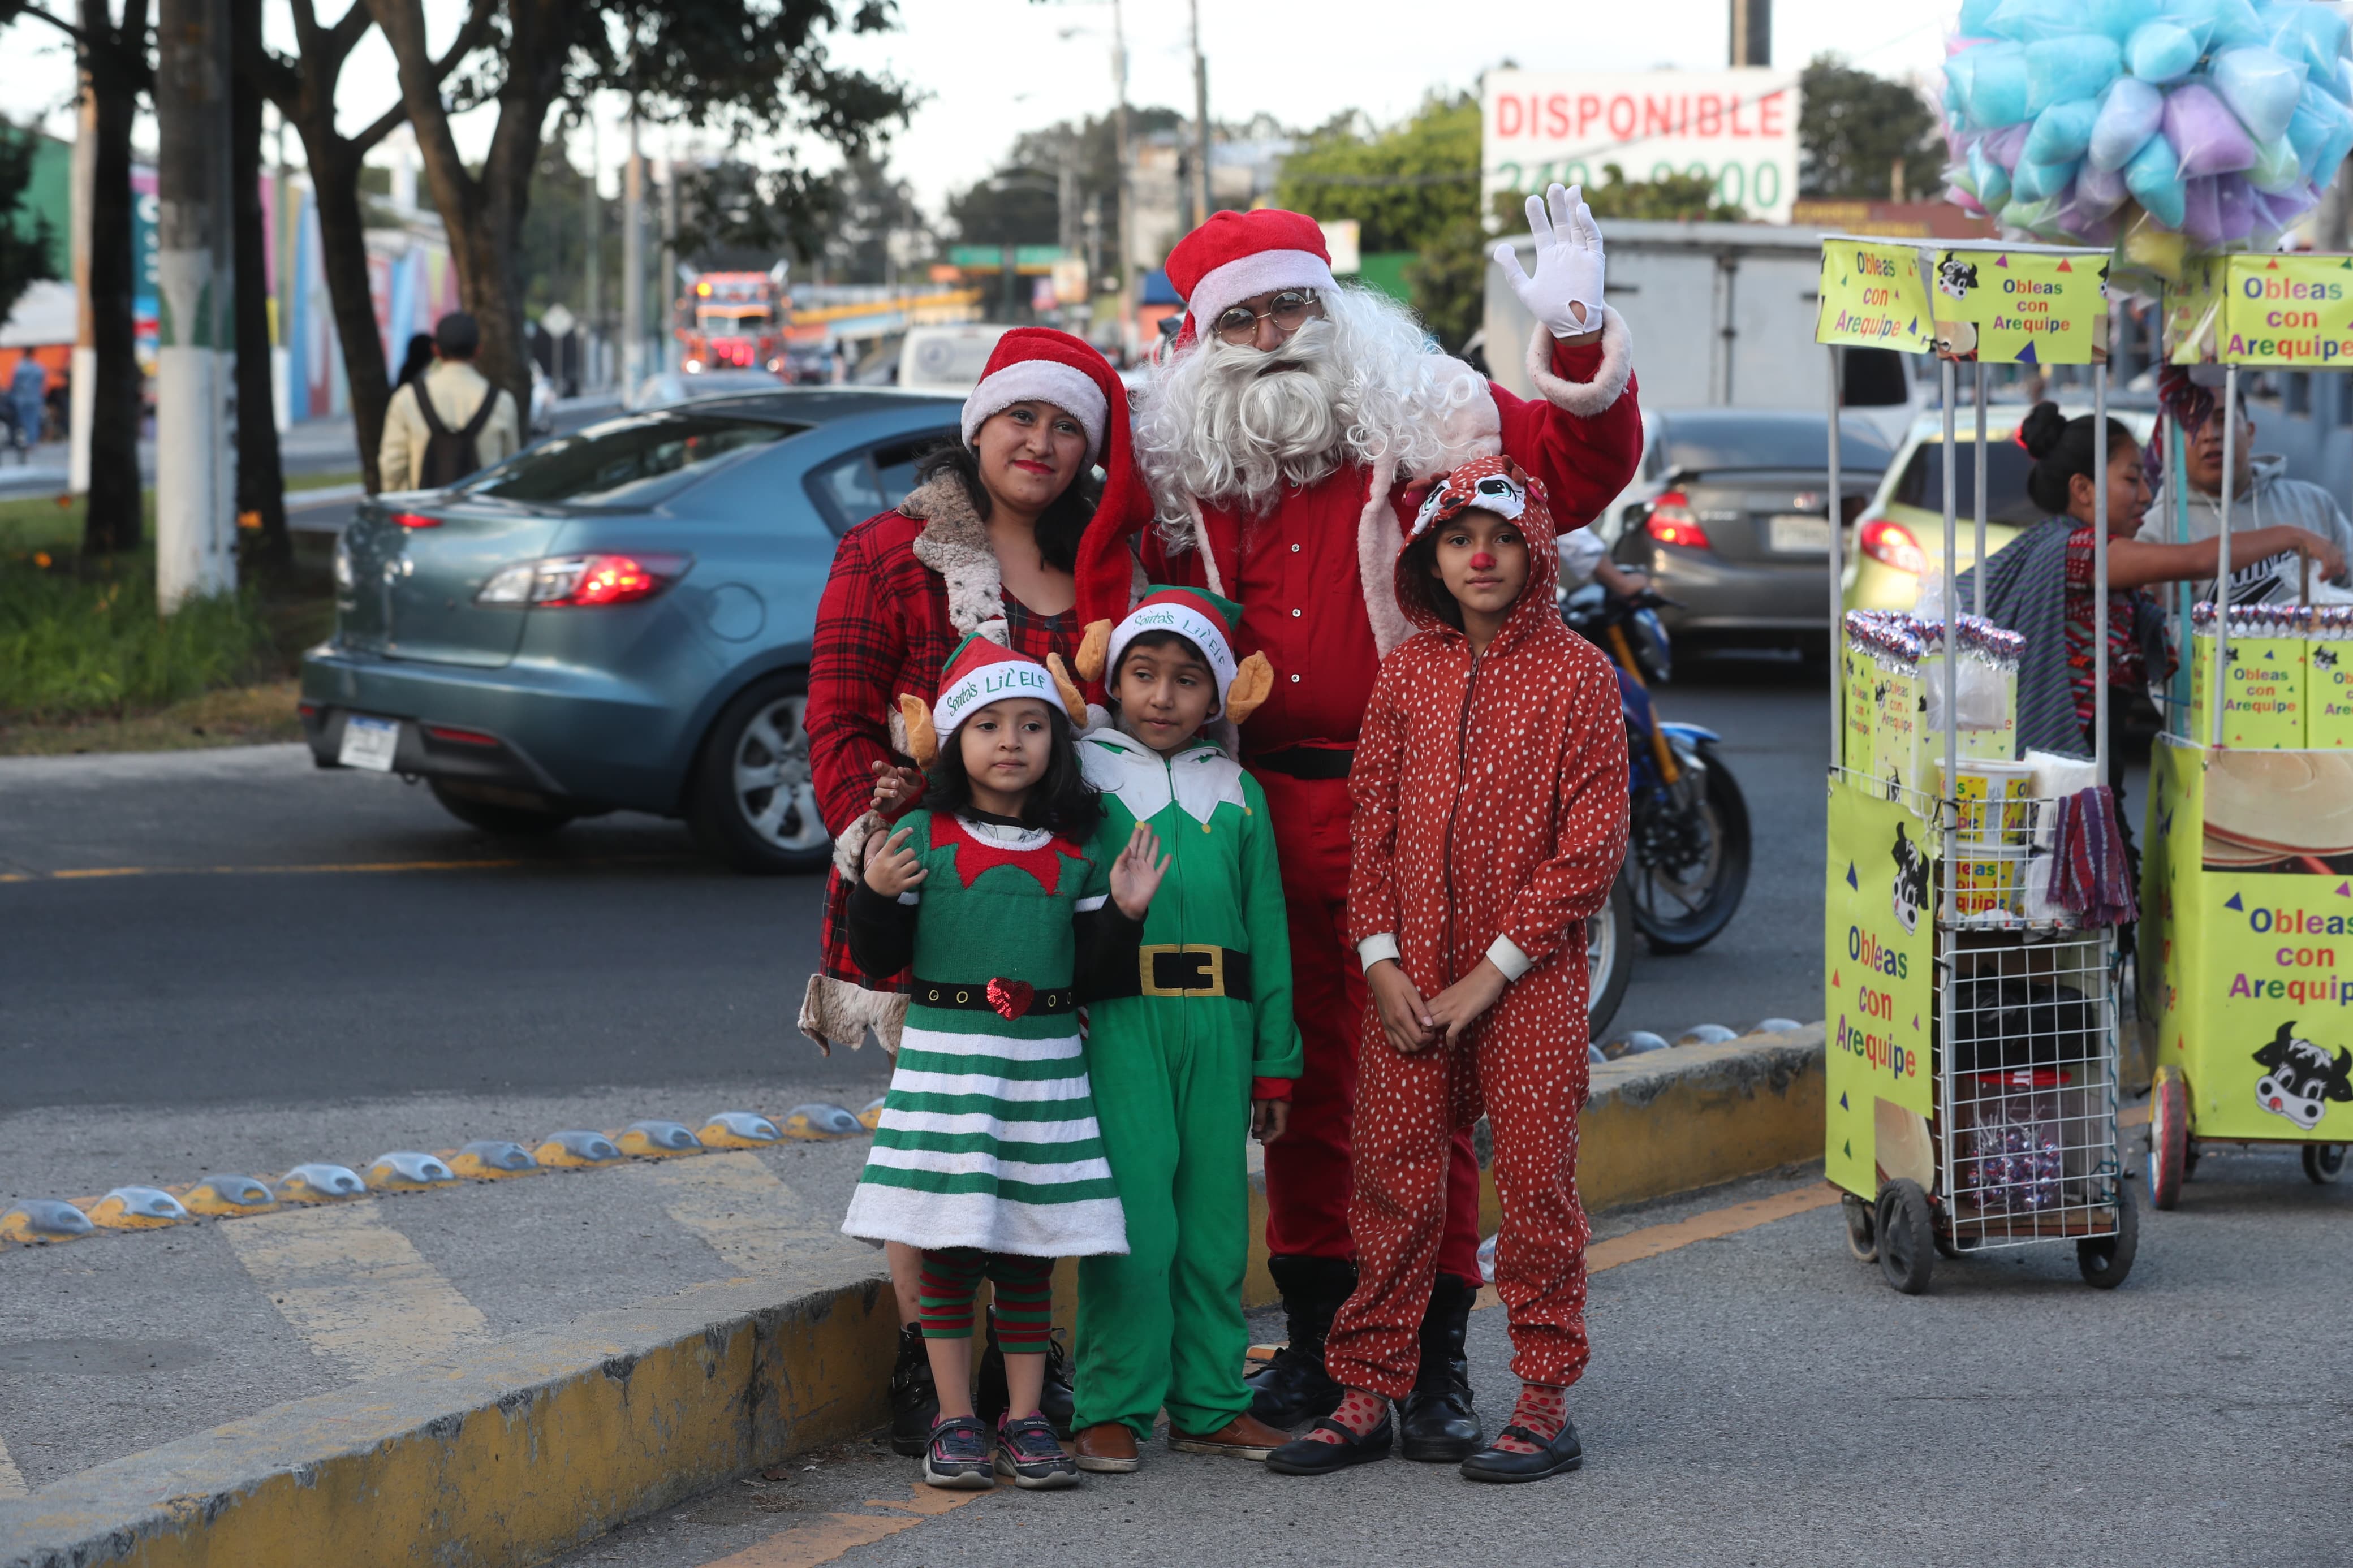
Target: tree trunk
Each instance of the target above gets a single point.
(113, 520)
(342, 260)
(260, 478)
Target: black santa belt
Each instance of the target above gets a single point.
(1170, 969)
(1307, 763)
(973, 996)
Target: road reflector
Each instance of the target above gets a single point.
(738, 1130)
(493, 1160)
(406, 1171)
(137, 1209)
(317, 1182)
(819, 1120)
(871, 1117)
(659, 1140)
(38, 1220)
(576, 1149)
(223, 1196)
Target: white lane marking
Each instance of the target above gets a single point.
(12, 1479)
(354, 1288)
(755, 1223)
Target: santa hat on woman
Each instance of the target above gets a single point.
(977, 673)
(1210, 624)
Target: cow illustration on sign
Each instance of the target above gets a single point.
(2300, 1079)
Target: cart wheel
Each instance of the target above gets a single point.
(1908, 1246)
(1862, 1228)
(1945, 1245)
(2189, 1160)
(2324, 1162)
(2107, 1260)
(2169, 1139)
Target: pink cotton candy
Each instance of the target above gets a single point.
(2099, 192)
(2005, 146)
(2207, 134)
(1963, 200)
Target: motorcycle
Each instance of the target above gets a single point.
(1687, 841)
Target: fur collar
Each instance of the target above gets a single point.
(954, 543)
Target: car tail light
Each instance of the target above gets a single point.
(461, 737)
(1670, 522)
(416, 520)
(1892, 544)
(607, 578)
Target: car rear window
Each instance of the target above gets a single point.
(1922, 483)
(857, 485)
(629, 462)
(1706, 446)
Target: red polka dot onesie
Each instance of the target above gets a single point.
(1489, 820)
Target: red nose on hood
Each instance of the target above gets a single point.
(1507, 489)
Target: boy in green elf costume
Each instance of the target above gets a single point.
(1199, 1057)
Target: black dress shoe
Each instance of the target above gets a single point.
(1435, 1423)
(1559, 1456)
(914, 1398)
(1057, 1402)
(1293, 1387)
(1308, 1457)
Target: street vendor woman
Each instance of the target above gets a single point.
(1287, 440)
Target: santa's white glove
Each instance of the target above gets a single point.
(1566, 293)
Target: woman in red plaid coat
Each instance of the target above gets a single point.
(985, 543)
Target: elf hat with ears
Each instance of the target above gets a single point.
(978, 673)
(1209, 624)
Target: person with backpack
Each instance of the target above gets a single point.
(448, 422)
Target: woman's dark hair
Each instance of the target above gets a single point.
(418, 360)
(1059, 526)
(1062, 802)
(2062, 448)
(1418, 576)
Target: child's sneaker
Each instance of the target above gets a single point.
(1026, 1452)
(956, 1458)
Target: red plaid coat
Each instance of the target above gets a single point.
(907, 585)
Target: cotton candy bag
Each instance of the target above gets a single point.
(2128, 116)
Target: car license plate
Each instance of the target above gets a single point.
(370, 744)
(1795, 533)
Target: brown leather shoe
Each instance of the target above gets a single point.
(1244, 1437)
(1107, 1447)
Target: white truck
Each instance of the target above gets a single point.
(1722, 316)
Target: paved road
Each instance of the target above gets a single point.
(1760, 1400)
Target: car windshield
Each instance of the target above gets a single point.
(628, 462)
(1707, 446)
(1922, 483)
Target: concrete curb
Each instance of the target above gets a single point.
(546, 1440)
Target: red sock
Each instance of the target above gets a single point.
(1542, 1409)
(1359, 1412)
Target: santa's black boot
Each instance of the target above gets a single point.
(914, 1398)
(1435, 1422)
(1293, 1387)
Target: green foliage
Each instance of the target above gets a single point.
(1678, 198)
(1404, 186)
(77, 643)
(1017, 207)
(24, 257)
(1852, 126)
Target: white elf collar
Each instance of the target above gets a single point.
(1199, 779)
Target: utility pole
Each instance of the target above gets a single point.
(84, 391)
(1201, 121)
(668, 293)
(1752, 32)
(592, 344)
(195, 515)
(633, 268)
(1126, 185)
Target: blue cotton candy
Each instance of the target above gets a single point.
(2033, 182)
(2079, 66)
(1993, 83)
(2337, 81)
(2161, 52)
(2128, 117)
(1992, 180)
(1977, 16)
(2261, 88)
(2154, 177)
(2033, 21)
(2321, 131)
(2220, 23)
(2321, 31)
(2277, 170)
(2062, 131)
(2116, 18)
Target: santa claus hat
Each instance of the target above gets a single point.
(1040, 363)
(1238, 254)
(1210, 624)
(977, 673)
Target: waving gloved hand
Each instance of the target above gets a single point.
(1566, 293)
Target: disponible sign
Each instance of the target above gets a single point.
(1738, 128)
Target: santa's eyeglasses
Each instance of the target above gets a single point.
(1287, 311)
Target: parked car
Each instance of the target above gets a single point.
(1728, 516)
(946, 359)
(616, 619)
(1900, 537)
(668, 388)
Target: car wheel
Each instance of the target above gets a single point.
(753, 803)
(500, 818)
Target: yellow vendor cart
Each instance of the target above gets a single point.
(1972, 1065)
(2246, 937)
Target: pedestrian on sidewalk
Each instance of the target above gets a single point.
(450, 421)
(988, 1156)
(1489, 796)
(29, 387)
(1194, 1051)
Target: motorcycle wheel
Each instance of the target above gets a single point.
(1609, 957)
(1683, 911)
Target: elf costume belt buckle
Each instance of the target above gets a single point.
(1181, 969)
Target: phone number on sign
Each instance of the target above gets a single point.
(1759, 185)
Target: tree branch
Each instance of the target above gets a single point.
(381, 127)
(469, 39)
(11, 12)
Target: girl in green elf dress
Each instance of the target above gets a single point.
(987, 1155)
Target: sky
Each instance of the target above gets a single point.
(994, 69)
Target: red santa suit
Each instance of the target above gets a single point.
(1313, 576)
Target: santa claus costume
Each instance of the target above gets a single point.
(1303, 527)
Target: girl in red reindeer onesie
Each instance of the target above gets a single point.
(1489, 793)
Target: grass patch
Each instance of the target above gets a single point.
(85, 640)
(51, 525)
(237, 716)
(320, 481)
